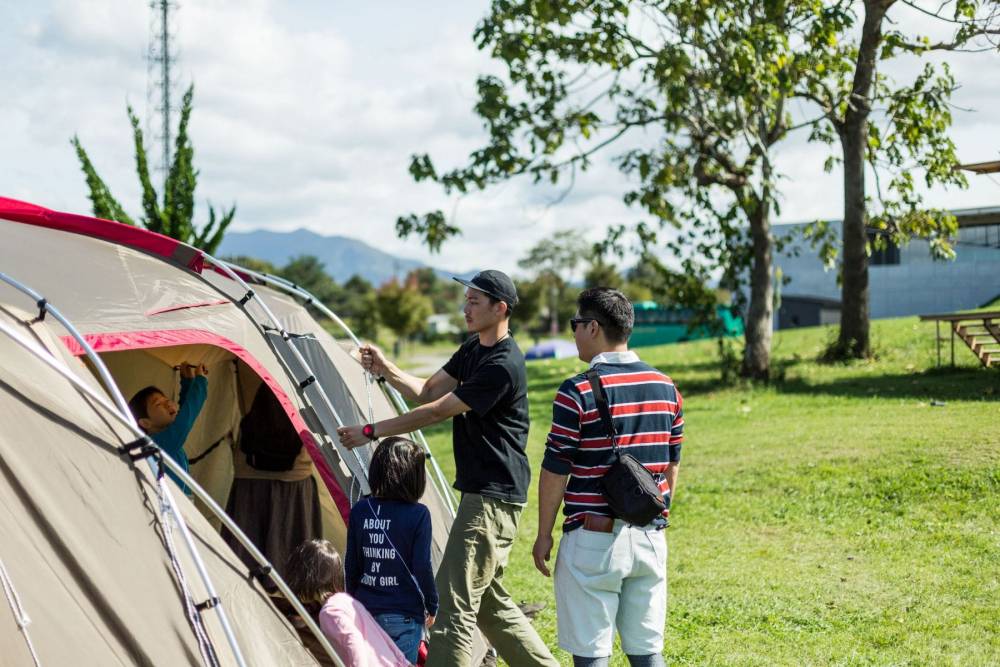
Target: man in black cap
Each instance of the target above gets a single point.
(484, 388)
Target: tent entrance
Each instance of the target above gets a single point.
(212, 445)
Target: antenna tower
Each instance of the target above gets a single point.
(160, 60)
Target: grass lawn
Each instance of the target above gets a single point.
(845, 515)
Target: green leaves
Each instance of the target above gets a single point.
(433, 227)
(103, 203)
(175, 217)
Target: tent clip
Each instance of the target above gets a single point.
(141, 448)
(207, 604)
(308, 381)
(246, 297)
(41, 303)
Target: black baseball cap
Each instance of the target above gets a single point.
(495, 283)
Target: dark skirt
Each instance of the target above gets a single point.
(276, 516)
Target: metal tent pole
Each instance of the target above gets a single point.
(277, 326)
(125, 418)
(396, 398)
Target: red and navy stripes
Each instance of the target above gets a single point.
(648, 413)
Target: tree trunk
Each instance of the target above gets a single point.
(760, 315)
(853, 340)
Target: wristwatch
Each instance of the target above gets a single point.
(368, 431)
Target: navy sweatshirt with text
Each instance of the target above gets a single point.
(384, 538)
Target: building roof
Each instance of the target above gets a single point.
(977, 217)
(991, 167)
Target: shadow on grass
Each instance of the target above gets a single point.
(960, 384)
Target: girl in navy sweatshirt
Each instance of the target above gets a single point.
(388, 564)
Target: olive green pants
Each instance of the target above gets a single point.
(470, 587)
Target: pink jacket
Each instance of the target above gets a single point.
(354, 634)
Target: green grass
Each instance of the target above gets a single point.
(845, 515)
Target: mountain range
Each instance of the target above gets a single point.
(342, 257)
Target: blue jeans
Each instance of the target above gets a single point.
(405, 632)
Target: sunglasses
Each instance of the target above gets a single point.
(576, 321)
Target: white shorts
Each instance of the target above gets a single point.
(611, 580)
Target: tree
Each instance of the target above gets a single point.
(551, 261)
(445, 295)
(307, 272)
(173, 217)
(403, 309)
(252, 263)
(601, 273)
(894, 129)
(530, 295)
(700, 87)
(360, 307)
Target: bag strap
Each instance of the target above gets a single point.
(402, 560)
(602, 407)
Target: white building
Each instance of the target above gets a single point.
(902, 280)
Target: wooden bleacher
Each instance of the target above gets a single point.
(979, 331)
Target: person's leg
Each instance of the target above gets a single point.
(580, 661)
(587, 579)
(466, 570)
(642, 612)
(246, 498)
(291, 517)
(651, 660)
(404, 631)
(500, 619)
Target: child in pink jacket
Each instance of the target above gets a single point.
(316, 575)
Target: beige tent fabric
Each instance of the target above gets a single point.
(104, 288)
(82, 538)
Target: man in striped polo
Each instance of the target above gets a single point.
(608, 574)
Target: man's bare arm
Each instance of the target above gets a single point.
(671, 476)
(551, 489)
(443, 408)
(415, 389)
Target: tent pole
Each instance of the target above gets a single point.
(126, 419)
(251, 295)
(296, 290)
(45, 307)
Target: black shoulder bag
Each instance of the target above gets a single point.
(630, 489)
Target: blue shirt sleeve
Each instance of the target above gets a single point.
(422, 569)
(193, 394)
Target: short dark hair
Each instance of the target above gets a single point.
(397, 470)
(314, 571)
(612, 310)
(138, 403)
(494, 301)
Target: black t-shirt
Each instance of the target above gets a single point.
(490, 439)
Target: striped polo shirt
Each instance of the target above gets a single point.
(647, 411)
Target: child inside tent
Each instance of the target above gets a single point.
(169, 423)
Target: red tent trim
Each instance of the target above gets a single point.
(106, 230)
(139, 340)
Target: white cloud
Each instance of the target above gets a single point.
(306, 114)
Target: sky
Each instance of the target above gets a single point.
(306, 114)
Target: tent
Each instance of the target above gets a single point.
(146, 303)
(555, 348)
(84, 565)
(145, 308)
